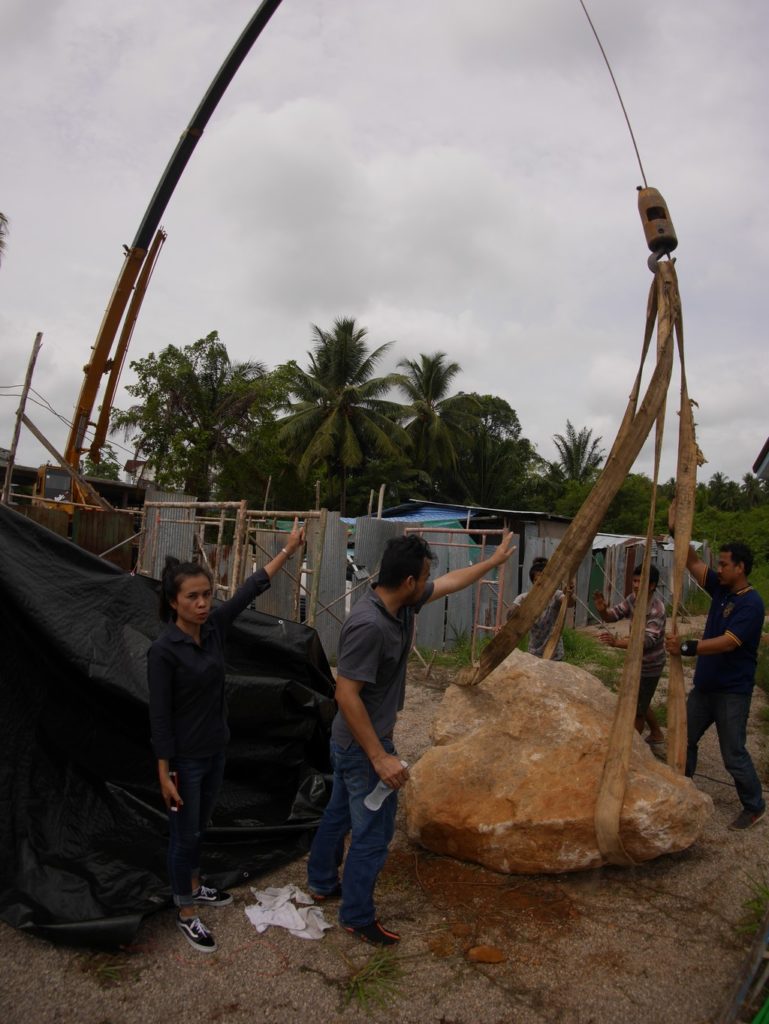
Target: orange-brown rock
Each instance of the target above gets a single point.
(512, 779)
(486, 955)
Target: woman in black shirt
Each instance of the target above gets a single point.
(188, 713)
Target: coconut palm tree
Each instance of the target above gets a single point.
(436, 420)
(341, 417)
(579, 454)
(750, 489)
(723, 493)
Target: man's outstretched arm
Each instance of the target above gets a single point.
(458, 579)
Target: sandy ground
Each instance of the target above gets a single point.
(648, 945)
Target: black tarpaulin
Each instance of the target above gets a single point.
(82, 828)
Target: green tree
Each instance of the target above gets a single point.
(195, 410)
(579, 454)
(498, 465)
(719, 526)
(435, 420)
(723, 493)
(340, 418)
(108, 467)
(402, 480)
(751, 491)
(260, 470)
(629, 510)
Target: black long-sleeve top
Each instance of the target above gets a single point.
(188, 711)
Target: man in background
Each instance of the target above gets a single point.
(653, 660)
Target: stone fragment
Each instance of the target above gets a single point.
(512, 779)
(485, 955)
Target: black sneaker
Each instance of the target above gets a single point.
(212, 897)
(746, 819)
(196, 933)
(374, 933)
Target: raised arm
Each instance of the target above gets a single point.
(694, 563)
(451, 582)
(294, 542)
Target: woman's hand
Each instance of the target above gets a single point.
(295, 538)
(168, 790)
(170, 794)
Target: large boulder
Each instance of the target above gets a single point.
(512, 780)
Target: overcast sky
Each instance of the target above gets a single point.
(458, 177)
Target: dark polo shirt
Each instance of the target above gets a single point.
(188, 712)
(740, 616)
(374, 650)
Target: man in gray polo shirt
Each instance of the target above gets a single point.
(373, 656)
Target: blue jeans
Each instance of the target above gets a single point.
(200, 779)
(729, 711)
(372, 831)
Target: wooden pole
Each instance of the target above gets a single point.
(312, 604)
(636, 424)
(37, 345)
(239, 547)
(85, 487)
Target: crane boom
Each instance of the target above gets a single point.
(101, 361)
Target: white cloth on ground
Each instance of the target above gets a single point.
(273, 907)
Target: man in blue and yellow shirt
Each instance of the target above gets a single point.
(726, 670)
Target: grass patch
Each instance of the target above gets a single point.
(108, 969)
(755, 906)
(587, 652)
(458, 656)
(376, 982)
(661, 714)
(697, 602)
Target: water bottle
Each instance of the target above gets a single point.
(379, 794)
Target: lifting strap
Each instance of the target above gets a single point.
(664, 310)
(636, 425)
(611, 790)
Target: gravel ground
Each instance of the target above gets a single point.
(648, 945)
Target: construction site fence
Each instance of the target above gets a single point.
(321, 587)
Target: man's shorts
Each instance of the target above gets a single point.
(646, 690)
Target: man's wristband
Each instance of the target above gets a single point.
(285, 552)
(689, 648)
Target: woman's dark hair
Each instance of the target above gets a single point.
(174, 574)
(403, 557)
